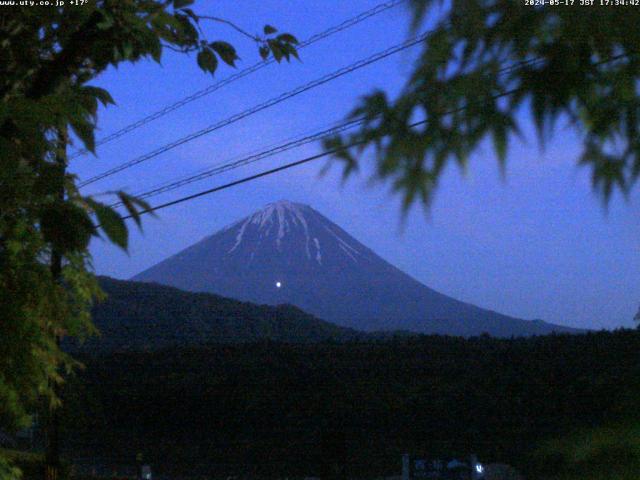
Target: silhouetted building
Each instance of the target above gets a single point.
(417, 468)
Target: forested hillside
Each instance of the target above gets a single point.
(148, 316)
(287, 409)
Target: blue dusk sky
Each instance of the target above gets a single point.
(535, 244)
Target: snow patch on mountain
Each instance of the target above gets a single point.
(300, 217)
(239, 237)
(318, 254)
(283, 217)
(348, 249)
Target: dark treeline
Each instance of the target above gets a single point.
(143, 316)
(292, 409)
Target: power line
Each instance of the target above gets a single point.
(343, 148)
(289, 165)
(241, 74)
(255, 157)
(237, 158)
(288, 144)
(238, 182)
(262, 106)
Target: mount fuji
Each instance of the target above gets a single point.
(289, 253)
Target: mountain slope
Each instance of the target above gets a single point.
(290, 253)
(141, 315)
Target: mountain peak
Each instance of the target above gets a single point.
(280, 213)
(286, 204)
(288, 252)
(292, 228)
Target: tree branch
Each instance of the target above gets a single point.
(179, 50)
(232, 25)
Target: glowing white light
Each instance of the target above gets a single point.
(278, 284)
(479, 468)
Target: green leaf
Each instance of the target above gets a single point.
(66, 226)
(182, 3)
(187, 34)
(226, 52)
(50, 180)
(86, 133)
(499, 135)
(127, 50)
(111, 223)
(274, 46)
(264, 52)
(287, 38)
(290, 50)
(269, 30)
(207, 60)
(134, 206)
(107, 20)
(101, 94)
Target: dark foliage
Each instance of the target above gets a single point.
(150, 316)
(485, 66)
(272, 408)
